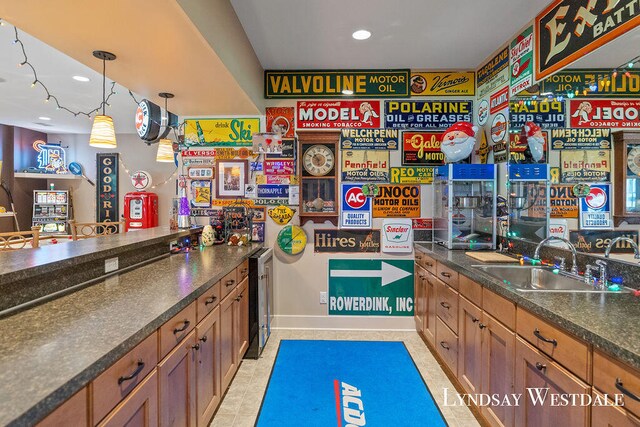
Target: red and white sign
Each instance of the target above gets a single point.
(604, 113)
(355, 198)
(397, 235)
(199, 153)
(499, 100)
(338, 114)
(422, 223)
(278, 167)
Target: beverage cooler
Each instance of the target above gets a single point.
(465, 206)
(260, 301)
(140, 210)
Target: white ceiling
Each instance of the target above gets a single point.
(431, 34)
(21, 105)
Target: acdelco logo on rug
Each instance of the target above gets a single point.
(349, 406)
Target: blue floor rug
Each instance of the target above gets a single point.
(344, 384)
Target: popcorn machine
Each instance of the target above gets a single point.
(465, 206)
(140, 210)
(529, 207)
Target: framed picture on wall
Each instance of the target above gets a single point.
(231, 178)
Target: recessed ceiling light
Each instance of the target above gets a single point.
(347, 92)
(361, 35)
(81, 78)
(44, 118)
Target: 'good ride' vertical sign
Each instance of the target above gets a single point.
(107, 194)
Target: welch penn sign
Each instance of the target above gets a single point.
(331, 83)
(107, 182)
(569, 29)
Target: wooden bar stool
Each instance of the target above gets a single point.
(20, 239)
(85, 230)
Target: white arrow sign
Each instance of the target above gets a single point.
(388, 273)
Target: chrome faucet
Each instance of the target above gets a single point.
(574, 267)
(626, 239)
(602, 281)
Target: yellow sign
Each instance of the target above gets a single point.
(281, 214)
(277, 179)
(411, 175)
(227, 202)
(397, 201)
(235, 131)
(454, 83)
(228, 153)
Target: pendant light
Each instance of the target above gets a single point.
(103, 134)
(165, 145)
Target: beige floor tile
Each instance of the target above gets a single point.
(223, 420)
(243, 420)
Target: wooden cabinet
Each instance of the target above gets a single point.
(540, 380)
(227, 332)
(430, 309)
(208, 379)
(469, 345)
(447, 305)
(447, 345)
(611, 416)
(177, 385)
(140, 408)
(177, 329)
(420, 303)
(447, 275)
(241, 317)
(626, 177)
(208, 301)
(72, 413)
(612, 377)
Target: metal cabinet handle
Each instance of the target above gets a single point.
(536, 332)
(210, 300)
(475, 320)
(445, 274)
(239, 298)
(540, 366)
(428, 264)
(422, 276)
(203, 339)
(243, 271)
(196, 346)
(444, 345)
(624, 391)
(133, 374)
(482, 325)
(230, 282)
(445, 305)
(185, 325)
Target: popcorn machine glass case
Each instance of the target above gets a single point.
(528, 202)
(465, 206)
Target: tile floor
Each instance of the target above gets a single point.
(241, 404)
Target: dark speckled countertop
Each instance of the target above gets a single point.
(608, 321)
(49, 352)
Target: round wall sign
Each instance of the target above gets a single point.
(498, 128)
(483, 112)
(148, 119)
(292, 239)
(141, 180)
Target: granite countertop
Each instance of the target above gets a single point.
(49, 352)
(609, 321)
(25, 263)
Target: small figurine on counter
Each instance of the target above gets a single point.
(458, 141)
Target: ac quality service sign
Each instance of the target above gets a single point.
(371, 287)
(356, 207)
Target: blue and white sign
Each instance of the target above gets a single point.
(546, 114)
(271, 191)
(356, 207)
(432, 115)
(595, 209)
(256, 166)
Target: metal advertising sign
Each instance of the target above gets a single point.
(443, 83)
(281, 215)
(288, 150)
(426, 114)
(338, 114)
(521, 61)
(350, 241)
(397, 236)
(422, 148)
(107, 183)
(518, 147)
(562, 201)
(237, 131)
(277, 179)
(369, 139)
(546, 114)
(580, 139)
(499, 100)
(604, 113)
(422, 229)
(279, 167)
(365, 166)
(355, 207)
(331, 83)
(272, 190)
(567, 30)
(370, 287)
(412, 175)
(595, 209)
(585, 165)
(494, 74)
(604, 83)
(597, 241)
(397, 201)
(281, 120)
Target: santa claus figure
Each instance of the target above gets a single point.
(458, 141)
(535, 140)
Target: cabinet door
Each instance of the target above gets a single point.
(469, 345)
(541, 382)
(497, 367)
(177, 377)
(72, 413)
(611, 416)
(227, 332)
(419, 309)
(139, 409)
(208, 367)
(430, 308)
(241, 317)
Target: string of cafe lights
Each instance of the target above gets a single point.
(129, 173)
(50, 96)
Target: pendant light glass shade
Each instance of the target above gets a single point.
(165, 151)
(103, 134)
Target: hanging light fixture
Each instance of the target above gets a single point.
(103, 133)
(165, 146)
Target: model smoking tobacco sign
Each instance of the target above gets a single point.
(371, 287)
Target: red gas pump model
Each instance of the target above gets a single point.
(140, 210)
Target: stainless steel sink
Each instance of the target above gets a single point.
(527, 278)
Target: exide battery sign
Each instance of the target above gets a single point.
(338, 114)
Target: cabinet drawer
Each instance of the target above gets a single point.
(606, 416)
(140, 408)
(447, 345)
(228, 283)
(176, 329)
(242, 270)
(426, 262)
(470, 290)
(500, 308)
(565, 349)
(612, 377)
(116, 383)
(72, 413)
(208, 301)
(447, 275)
(447, 305)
